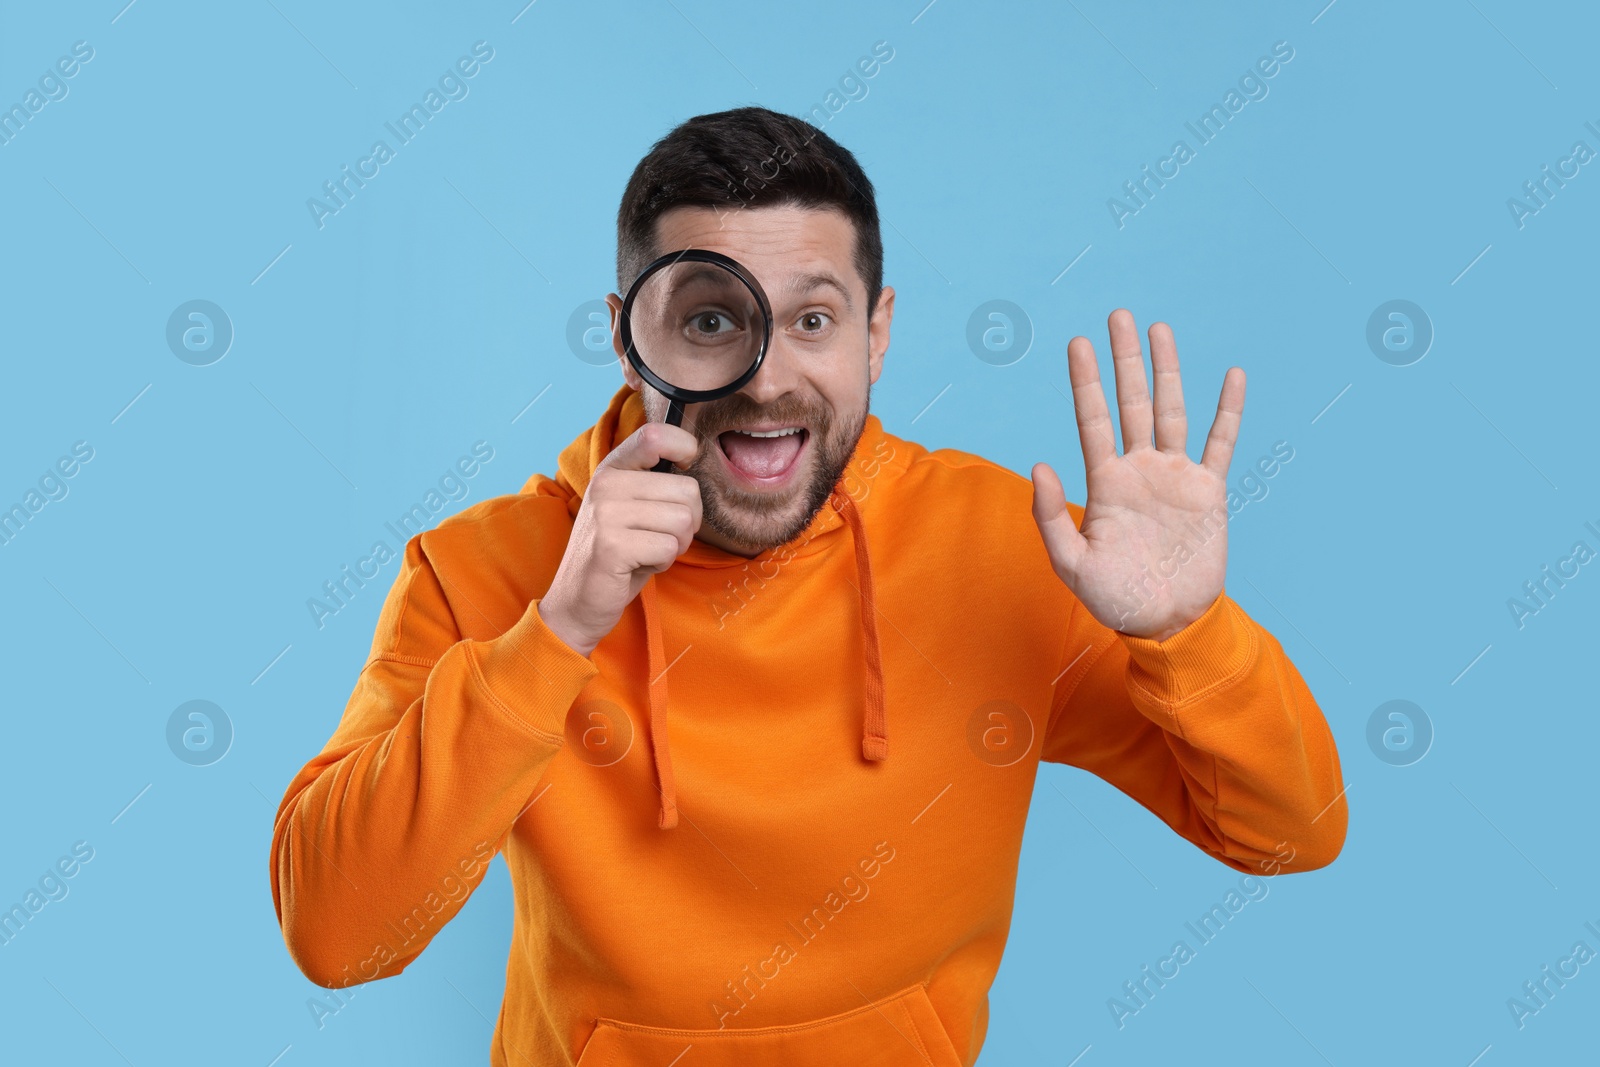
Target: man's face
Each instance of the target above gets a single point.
(758, 493)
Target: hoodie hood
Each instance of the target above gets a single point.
(576, 466)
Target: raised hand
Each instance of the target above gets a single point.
(634, 522)
(1153, 549)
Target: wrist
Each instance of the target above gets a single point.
(1221, 644)
(1163, 634)
(559, 624)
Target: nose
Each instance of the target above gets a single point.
(781, 372)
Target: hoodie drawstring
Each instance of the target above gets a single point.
(874, 723)
(659, 751)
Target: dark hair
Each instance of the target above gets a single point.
(746, 157)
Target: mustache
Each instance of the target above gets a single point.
(718, 419)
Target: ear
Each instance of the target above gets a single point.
(878, 333)
(631, 376)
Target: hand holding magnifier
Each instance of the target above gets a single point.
(695, 325)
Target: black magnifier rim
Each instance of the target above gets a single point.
(694, 255)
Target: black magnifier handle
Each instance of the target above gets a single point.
(674, 418)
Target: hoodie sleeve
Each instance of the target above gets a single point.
(382, 836)
(1212, 729)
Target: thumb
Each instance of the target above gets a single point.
(1062, 539)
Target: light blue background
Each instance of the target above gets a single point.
(427, 314)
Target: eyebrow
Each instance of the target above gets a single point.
(805, 283)
(683, 280)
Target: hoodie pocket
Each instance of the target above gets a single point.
(900, 1030)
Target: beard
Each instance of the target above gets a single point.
(758, 521)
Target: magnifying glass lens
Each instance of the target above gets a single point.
(697, 325)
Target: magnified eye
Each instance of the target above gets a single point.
(709, 323)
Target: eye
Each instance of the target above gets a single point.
(813, 322)
(712, 322)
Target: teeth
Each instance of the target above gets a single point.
(770, 433)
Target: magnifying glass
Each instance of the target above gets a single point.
(695, 325)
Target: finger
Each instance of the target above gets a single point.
(630, 531)
(648, 485)
(1133, 397)
(656, 516)
(1089, 402)
(657, 551)
(1062, 538)
(1225, 429)
(1172, 424)
(650, 444)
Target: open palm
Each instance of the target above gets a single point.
(1152, 552)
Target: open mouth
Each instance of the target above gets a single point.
(765, 458)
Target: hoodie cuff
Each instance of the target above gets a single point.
(1212, 650)
(532, 675)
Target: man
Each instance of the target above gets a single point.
(807, 855)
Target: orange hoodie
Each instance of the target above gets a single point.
(766, 875)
